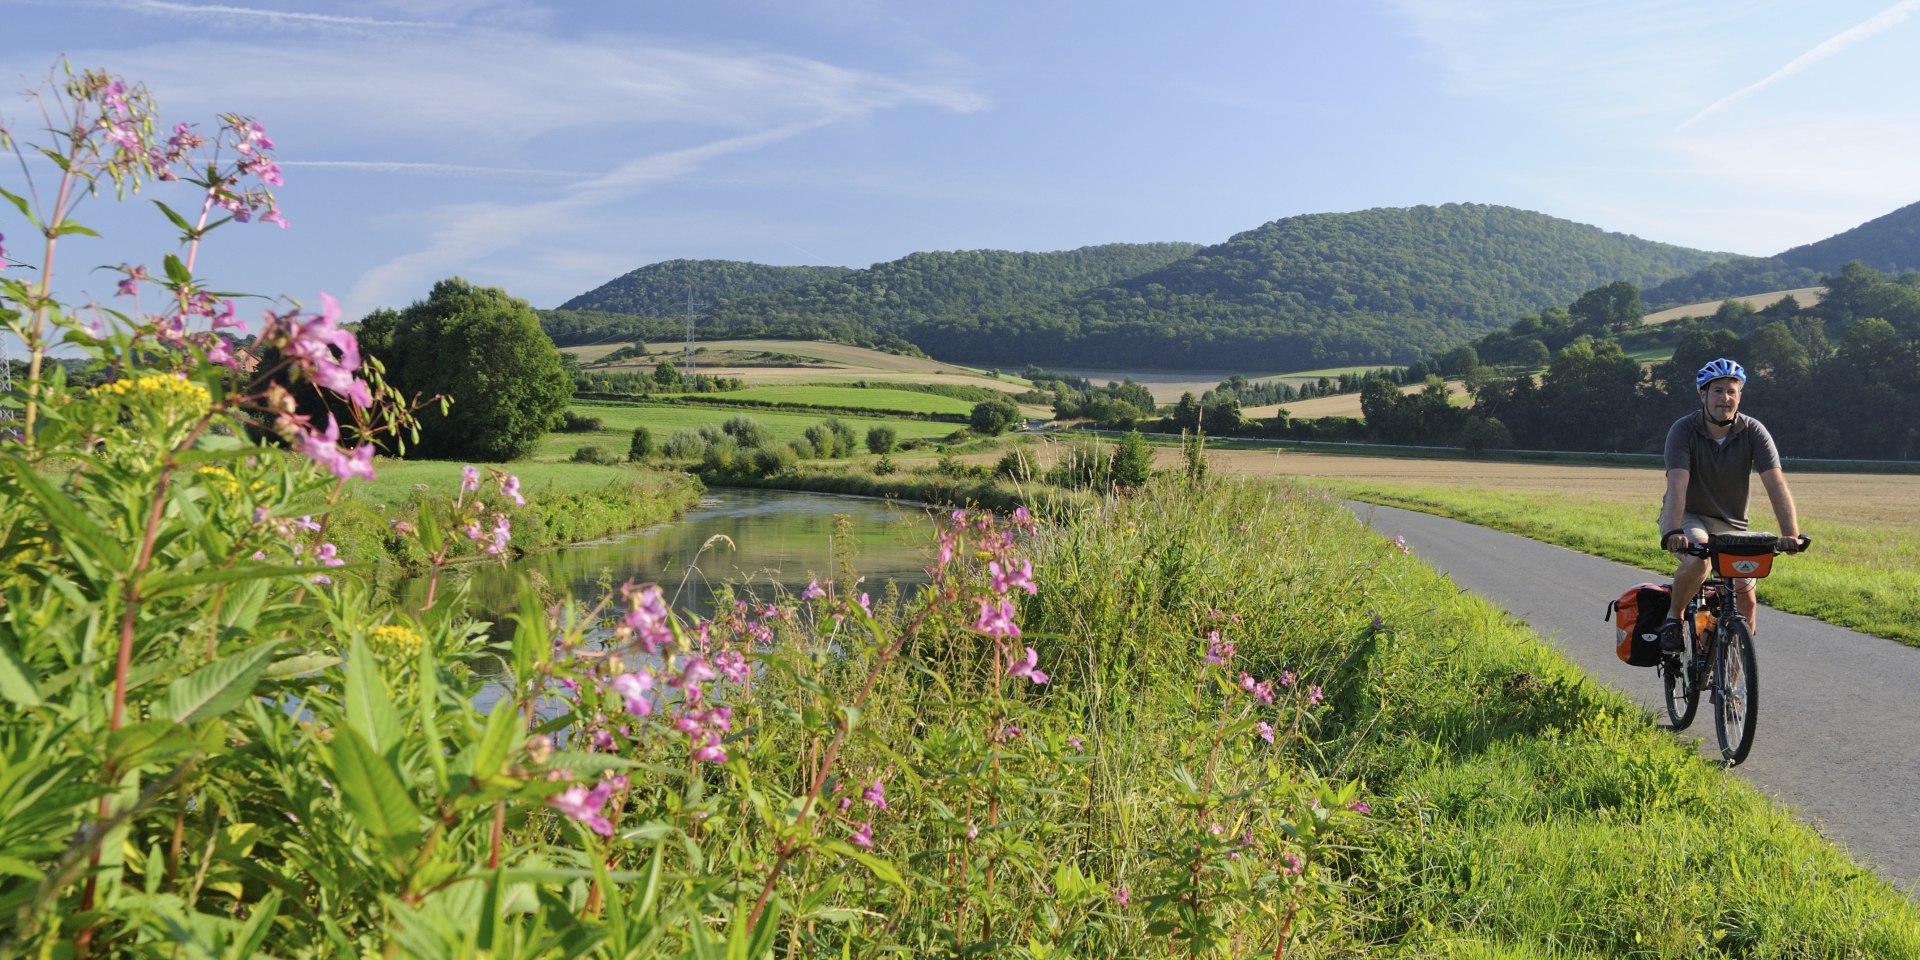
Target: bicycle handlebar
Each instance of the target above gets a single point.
(1782, 545)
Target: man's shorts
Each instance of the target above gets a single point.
(1698, 528)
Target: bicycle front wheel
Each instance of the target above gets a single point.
(1736, 688)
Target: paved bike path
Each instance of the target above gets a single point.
(1839, 730)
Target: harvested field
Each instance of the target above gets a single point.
(759, 362)
(1807, 296)
(1167, 385)
(1343, 404)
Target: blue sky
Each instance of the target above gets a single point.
(549, 147)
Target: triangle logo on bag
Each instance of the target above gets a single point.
(1745, 566)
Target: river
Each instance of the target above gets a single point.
(771, 537)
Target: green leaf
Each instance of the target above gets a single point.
(71, 227)
(135, 746)
(370, 709)
(373, 792)
(305, 663)
(254, 933)
(178, 220)
(161, 585)
(177, 271)
(60, 510)
(20, 202)
(491, 752)
(217, 687)
(428, 670)
(17, 682)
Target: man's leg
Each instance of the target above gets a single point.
(1747, 600)
(1687, 579)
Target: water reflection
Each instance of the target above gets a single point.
(772, 537)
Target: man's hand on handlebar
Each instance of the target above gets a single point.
(1675, 541)
(1795, 544)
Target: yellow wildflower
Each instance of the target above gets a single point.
(221, 479)
(395, 640)
(163, 388)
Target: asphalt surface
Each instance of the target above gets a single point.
(1838, 739)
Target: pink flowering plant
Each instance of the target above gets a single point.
(216, 733)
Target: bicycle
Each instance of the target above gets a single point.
(1722, 642)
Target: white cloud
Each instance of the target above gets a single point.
(1878, 23)
(224, 11)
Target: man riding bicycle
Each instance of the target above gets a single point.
(1709, 455)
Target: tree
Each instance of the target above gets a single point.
(1133, 461)
(1615, 306)
(485, 351)
(993, 417)
(666, 375)
(642, 445)
(882, 439)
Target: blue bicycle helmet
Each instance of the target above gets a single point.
(1718, 369)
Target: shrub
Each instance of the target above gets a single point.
(844, 442)
(642, 445)
(747, 432)
(769, 460)
(820, 438)
(593, 453)
(993, 417)
(882, 439)
(1133, 461)
(686, 445)
(884, 466)
(720, 455)
(571, 422)
(1013, 465)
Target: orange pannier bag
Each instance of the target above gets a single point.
(1637, 616)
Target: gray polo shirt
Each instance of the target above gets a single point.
(1718, 472)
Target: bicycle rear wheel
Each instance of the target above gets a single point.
(1736, 687)
(1683, 692)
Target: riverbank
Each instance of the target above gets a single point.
(565, 503)
(963, 487)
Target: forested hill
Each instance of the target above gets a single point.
(887, 298)
(1890, 244)
(1380, 285)
(662, 289)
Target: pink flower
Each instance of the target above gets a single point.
(305, 523)
(648, 621)
(732, 665)
(510, 488)
(876, 794)
(1026, 668)
(1075, 743)
(312, 345)
(865, 607)
(322, 447)
(1359, 806)
(972, 831)
(634, 689)
(1010, 579)
(1314, 696)
(1287, 678)
(1121, 896)
(469, 478)
(1262, 690)
(1218, 651)
(996, 620)
(812, 592)
(1265, 730)
(862, 835)
(1401, 544)
(328, 555)
(584, 805)
(1294, 865)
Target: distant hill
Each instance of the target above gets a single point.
(1889, 244)
(661, 289)
(890, 297)
(1388, 285)
(1375, 286)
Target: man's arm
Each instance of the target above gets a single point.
(1675, 505)
(1775, 481)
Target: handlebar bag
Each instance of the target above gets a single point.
(1637, 615)
(1745, 555)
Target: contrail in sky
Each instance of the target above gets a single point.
(163, 6)
(396, 166)
(1832, 45)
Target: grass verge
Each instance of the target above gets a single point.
(1862, 578)
(566, 503)
(1519, 808)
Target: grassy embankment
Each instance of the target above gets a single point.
(1520, 809)
(566, 503)
(663, 420)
